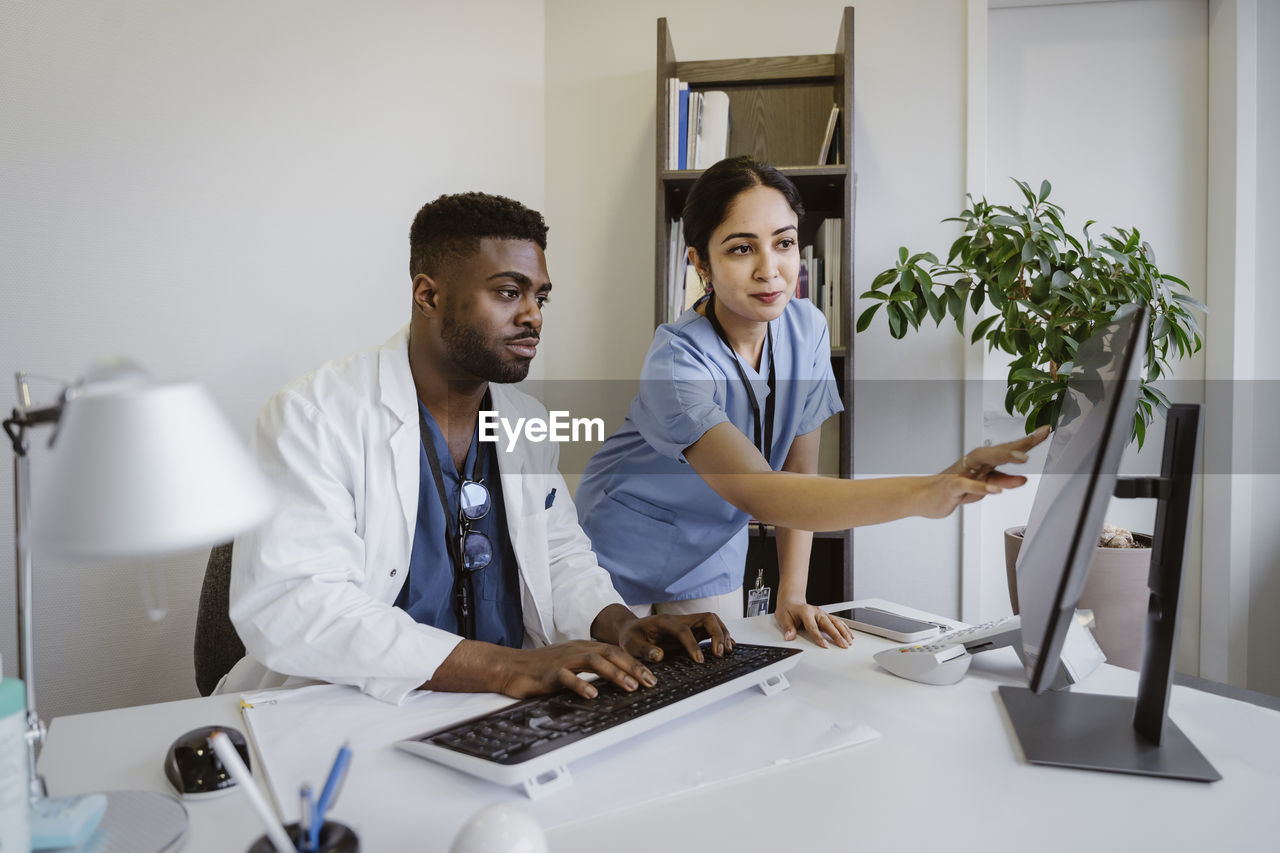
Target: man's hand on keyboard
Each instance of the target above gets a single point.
(648, 638)
(484, 667)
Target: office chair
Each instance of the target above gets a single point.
(217, 645)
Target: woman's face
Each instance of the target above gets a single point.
(753, 256)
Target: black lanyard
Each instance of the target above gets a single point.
(463, 587)
(762, 438)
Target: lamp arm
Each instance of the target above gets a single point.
(16, 428)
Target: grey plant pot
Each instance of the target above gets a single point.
(1116, 591)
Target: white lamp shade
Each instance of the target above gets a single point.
(145, 469)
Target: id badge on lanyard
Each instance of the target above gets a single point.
(758, 596)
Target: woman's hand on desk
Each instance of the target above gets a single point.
(793, 615)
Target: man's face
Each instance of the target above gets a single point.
(491, 312)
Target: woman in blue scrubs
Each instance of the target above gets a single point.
(725, 427)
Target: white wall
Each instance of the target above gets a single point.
(223, 192)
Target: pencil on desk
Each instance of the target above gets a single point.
(231, 761)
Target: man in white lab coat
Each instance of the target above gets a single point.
(387, 566)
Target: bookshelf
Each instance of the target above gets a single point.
(779, 107)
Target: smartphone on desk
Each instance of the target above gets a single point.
(882, 623)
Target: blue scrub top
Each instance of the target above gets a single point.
(655, 525)
(427, 595)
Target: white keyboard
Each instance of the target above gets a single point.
(531, 742)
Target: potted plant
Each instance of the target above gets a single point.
(1048, 290)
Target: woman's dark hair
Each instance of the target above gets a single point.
(713, 193)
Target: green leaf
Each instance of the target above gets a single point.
(982, 327)
(874, 294)
(957, 247)
(904, 296)
(937, 310)
(1027, 374)
(897, 321)
(864, 319)
(884, 278)
(1008, 272)
(975, 300)
(906, 281)
(1026, 189)
(1040, 290)
(1044, 190)
(921, 311)
(1188, 299)
(902, 254)
(1121, 259)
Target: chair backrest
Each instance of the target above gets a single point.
(217, 646)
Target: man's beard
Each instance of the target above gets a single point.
(471, 351)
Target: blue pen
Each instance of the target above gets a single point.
(305, 810)
(330, 792)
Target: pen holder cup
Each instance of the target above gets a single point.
(334, 838)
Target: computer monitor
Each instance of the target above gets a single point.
(1090, 731)
(1076, 486)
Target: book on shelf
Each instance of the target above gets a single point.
(827, 256)
(684, 285)
(682, 124)
(713, 128)
(828, 136)
(818, 284)
(698, 124)
(689, 143)
(673, 121)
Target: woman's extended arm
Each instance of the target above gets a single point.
(733, 467)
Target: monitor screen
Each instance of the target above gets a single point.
(1077, 484)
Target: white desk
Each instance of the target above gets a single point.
(945, 774)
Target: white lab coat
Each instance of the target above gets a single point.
(313, 590)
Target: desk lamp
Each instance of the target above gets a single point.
(138, 468)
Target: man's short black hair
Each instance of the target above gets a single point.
(451, 227)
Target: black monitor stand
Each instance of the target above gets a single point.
(1120, 734)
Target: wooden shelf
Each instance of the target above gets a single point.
(717, 73)
(821, 186)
